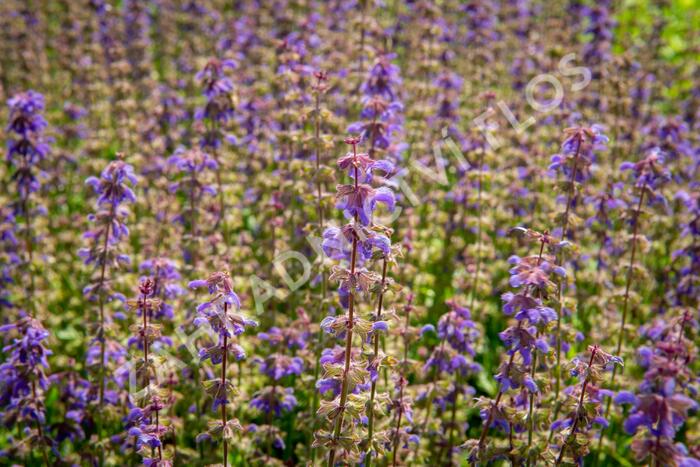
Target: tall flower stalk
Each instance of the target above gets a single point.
(532, 275)
(379, 326)
(403, 405)
(27, 148)
(148, 434)
(661, 404)
(191, 168)
(24, 382)
(222, 313)
(648, 176)
(216, 113)
(113, 189)
(584, 408)
(574, 162)
(357, 201)
(350, 316)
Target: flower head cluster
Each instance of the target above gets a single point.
(23, 376)
(482, 17)
(222, 310)
(662, 402)
(600, 29)
(146, 305)
(219, 109)
(578, 152)
(74, 129)
(459, 334)
(293, 337)
(381, 112)
(113, 190)
(74, 391)
(649, 175)
(191, 164)
(144, 432)
(166, 284)
(532, 275)
(583, 404)
(671, 136)
(275, 398)
(359, 199)
(222, 313)
(525, 338)
(688, 289)
(26, 146)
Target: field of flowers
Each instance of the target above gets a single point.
(354, 232)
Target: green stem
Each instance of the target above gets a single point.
(348, 338)
(375, 339)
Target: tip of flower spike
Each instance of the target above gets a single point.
(352, 140)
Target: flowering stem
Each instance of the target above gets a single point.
(565, 225)
(24, 202)
(578, 408)
(570, 196)
(453, 418)
(348, 338)
(314, 404)
(431, 396)
(403, 366)
(269, 425)
(478, 231)
(193, 220)
(628, 284)
(223, 383)
(39, 429)
(348, 350)
(489, 419)
(101, 333)
(160, 451)
(145, 339)
(625, 302)
(485, 430)
(317, 141)
(219, 186)
(363, 33)
(398, 425)
(375, 339)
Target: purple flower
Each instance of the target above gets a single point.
(26, 127)
(219, 107)
(222, 310)
(578, 152)
(22, 373)
(649, 174)
(274, 400)
(383, 124)
(277, 366)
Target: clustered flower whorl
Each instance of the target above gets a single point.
(23, 381)
(27, 146)
(382, 121)
(222, 314)
(666, 394)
